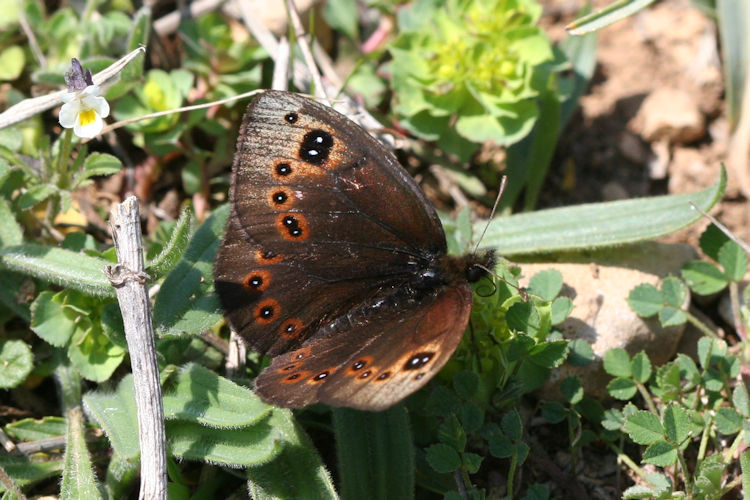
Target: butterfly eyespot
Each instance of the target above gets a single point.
(256, 281)
(418, 360)
(267, 257)
(365, 374)
(283, 169)
(316, 147)
(296, 377)
(292, 226)
(359, 364)
(291, 328)
(291, 118)
(383, 376)
(320, 376)
(288, 368)
(419, 376)
(280, 198)
(266, 311)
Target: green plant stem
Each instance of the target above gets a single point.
(64, 159)
(646, 397)
(727, 458)
(700, 326)
(511, 476)
(627, 461)
(704, 438)
(686, 474)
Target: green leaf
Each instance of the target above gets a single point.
(511, 425)
(613, 420)
(451, 433)
(676, 423)
(670, 316)
(597, 224)
(343, 15)
(641, 367)
(115, 413)
(29, 470)
(572, 390)
(549, 354)
(296, 472)
(622, 388)
(711, 240)
(201, 396)
(645, 300)
(546, 284)
(443, 458)
(67, 269)
(617, 363)
(99, 164)
(644, 427)
(93, 355)
(174, 249)
(35, 195)
(30, 429)
(10, 231)
(246, 446)
(472, 462)
(16, 362)
(501, 446)
(703, 278)
(561, 309)
(580, 352)
(78, 477)
(553, 412)
(674, 292)
(734, 261)
(745, 463)
(523, 317)
(466, 383)
(49, 320)
(728, 421)
(660, 453)
(186, 302)
(12, 62)
(376, 454)
(610, 14)
(740, 400)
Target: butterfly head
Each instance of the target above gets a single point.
(479, 265)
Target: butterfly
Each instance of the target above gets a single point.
(334, 263)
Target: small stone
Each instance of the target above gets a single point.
(599, 289)
(670, 114)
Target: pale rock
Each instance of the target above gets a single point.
(670, 114)
(598, 284)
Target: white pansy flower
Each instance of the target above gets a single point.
(84, 109)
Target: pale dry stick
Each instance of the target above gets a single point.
(281, 66)
(734, 297)
(35, 105)
(33, 43)
(168, 24)
(129, 281)
(303, 40)
(254, 24)
(724, 229)
(211, 104)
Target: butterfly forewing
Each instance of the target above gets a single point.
(332, 252)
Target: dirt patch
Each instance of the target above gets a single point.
(604, 153)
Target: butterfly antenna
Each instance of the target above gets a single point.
(521, 291)
(503, 183)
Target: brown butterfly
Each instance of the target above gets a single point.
(334, 262)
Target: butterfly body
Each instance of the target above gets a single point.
(334, 262)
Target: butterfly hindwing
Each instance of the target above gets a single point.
(373, 365)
